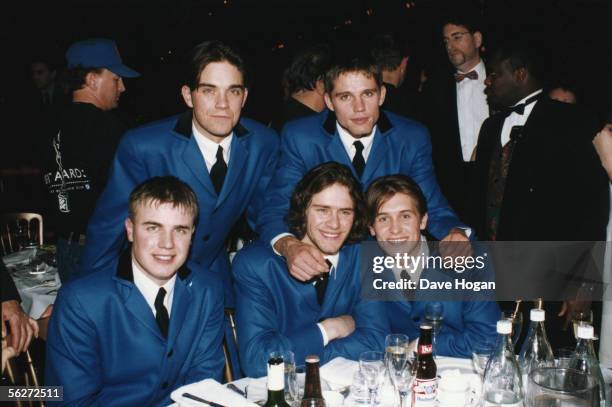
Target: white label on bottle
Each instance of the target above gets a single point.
(276, 377)
(424, 392)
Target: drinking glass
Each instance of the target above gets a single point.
(554, 387)
(359, 394)
(372, 366)
(563, 357)
(291, 384)
(517, 325)
(481, 353)
(434, 315)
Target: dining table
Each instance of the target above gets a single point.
(35, 275)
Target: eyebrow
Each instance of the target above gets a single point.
(329, 207)
(210, 85)
(402, 211)
(152, 223)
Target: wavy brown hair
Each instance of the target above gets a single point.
(384, 188)
(315, 181)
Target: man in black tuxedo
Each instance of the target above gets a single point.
(538, 179)
(454, 107)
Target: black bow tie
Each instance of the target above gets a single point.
(520, 108)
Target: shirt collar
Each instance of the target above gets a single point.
(333, 259)
(523, 100)
(348, 140)
(479, 68)
(210, 145)
(149, 288)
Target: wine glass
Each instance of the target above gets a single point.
(372, 366)
(481, 352)
(434, 315)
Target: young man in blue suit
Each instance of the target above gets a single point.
(397, 214)
(227, 160)
(130, 335)
(325, 316)
(355, 132)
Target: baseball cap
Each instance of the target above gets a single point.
(98, 53)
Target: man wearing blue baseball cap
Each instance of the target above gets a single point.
(79, 153)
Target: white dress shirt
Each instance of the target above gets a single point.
(348, 140)
(149, 289)
(209, 148)
(472, 109)
(515, 119)
(333, 259)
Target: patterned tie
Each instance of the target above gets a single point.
(470, 75)
(321, 283)
(161, 313)
(358, 160)
(218, 171)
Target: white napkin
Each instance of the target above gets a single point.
(339, 372)
(22, 256)
(212, 390)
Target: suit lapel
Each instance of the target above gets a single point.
(180, 305)
(336, 150)
(238, 158)
(335, 285)
(192, 156)
(380, 145)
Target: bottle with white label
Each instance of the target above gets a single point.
(425, 388)
(276, 383)
(502, 377)
(585, 360)
(536, 351)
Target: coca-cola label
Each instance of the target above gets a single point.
(425, 349)
(424, 392)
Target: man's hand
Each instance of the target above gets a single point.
(603, 146)
(574, 309)
(338, 327)
(304, 261)
(456, 244)
(7, 351)
(21, 325)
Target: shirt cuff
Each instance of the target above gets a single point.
(276, 239)
(324, 334)
(468, 231)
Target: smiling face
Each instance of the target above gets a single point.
(398, 224)
(217, 100)
(161, 237)
(356, 99)
(329, 219)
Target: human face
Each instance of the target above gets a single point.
(217, 100)
(398, 224)
(356, 100)
(160, 236)
(503, 85)
(329, 219)
(462, 46)
(106, 87)
(41, 75)
(562, 95)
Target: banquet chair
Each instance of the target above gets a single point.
(229, 369)
(21, 371)
(11, 225)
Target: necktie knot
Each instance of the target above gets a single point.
(473, 75)
(220, 154)
(520, 108)
(358, 146)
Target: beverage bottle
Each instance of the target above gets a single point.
(536, 351)
(312, 386)
(424, 390)
(502, 377)
(276, 383)
(585, 360)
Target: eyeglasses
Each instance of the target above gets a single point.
(455, 37)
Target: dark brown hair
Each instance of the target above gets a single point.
(164, 190)
(315, 181)
(208, 52)
(384, 188)
(345, 63)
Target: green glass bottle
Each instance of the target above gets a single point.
(276, 383)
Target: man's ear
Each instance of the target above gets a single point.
(383, 94)
(320, 87)
(328, 101)
(91, 80)
(423, 224)
(521, 75)
(244, 97)
(477, 39)
(372, 232)
(403, 64)
(186, 92)
(129, 229)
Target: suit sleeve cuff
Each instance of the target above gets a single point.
(276, 239)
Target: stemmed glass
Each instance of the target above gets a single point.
(434, 315)
(403, 383)
(396, 356)
(372, 366)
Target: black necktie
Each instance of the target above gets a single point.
(358, 161)
(321, 283)
(161, 313)
(519, 109)
(218, 171)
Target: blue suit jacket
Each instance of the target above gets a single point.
(470, 317)
(105, 348)
(276, 312)
(167, 147)
(400, 146)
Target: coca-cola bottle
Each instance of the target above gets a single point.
(425, 383)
